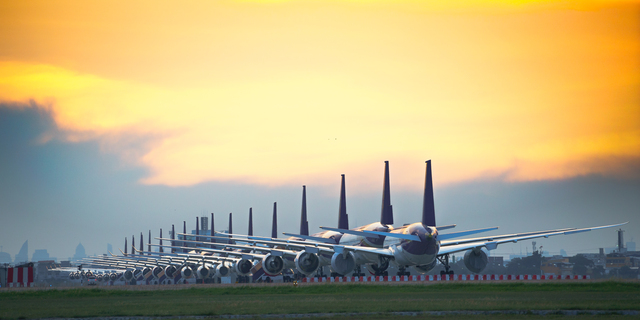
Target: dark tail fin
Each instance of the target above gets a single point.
(184, 230)
(212, 228)
(141, 243)
(428, 205)
(386, 215)
(304, 224)
(161, 249)
(149, 243)
(133, 244)
(274, 224)
(197, 228)
(250, 232)
(343, 217)
(125, 245)
(230, 225)
(173, 237)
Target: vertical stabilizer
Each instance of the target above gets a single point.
(184, 231)
(149, 243)
(141, 243)
(173, 237)
(160, 247)
(125, 245)
(386, 214)
(133, 244)
(230, 225)
(197, 229)
(428, 205)
(212, 228)
(343, 217)
(250, 231)
(274, 223)
(304, 224)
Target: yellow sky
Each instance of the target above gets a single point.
(297, 92)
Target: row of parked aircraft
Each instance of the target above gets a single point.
(419, 245)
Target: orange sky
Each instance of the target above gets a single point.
(297, 92)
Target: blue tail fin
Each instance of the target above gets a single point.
(428, 205)
(386, 214)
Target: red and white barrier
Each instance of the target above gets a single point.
(20, 277)
(455, 277)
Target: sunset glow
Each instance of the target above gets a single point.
(297, 92)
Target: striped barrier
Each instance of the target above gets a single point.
(20, 277)
(455, 277)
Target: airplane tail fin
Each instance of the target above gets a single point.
(161, 249)
(428, 205)
(386, 215)
(125, 246)
(274, 223)
(250, 231)
(141, 242)
(212, 228)
(304, 224)
(133, 244)
(230, 225)
(343, 217)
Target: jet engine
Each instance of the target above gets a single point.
(156, 271)
(425, 268)
(99, 278)
(186, 272)
(475, 260)
(78, 275)
(272, 265)
(72, 275)
(146, 271)
(307, 262)
(220, 271)
(343, 264)
(170, 272)
(113, 276)
(128, 275)
(242, 267)
(203, 272)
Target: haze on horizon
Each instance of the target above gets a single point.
(120, 117)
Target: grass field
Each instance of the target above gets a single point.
(320, 298)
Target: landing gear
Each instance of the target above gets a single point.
(380, 269)
(358, 272)
(402, 271)
(320, 273)
(444, 259)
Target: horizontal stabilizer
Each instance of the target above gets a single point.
(463, 233)
(318, 239)
(367, 233)
(449, 226)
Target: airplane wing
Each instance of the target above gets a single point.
(493, 242)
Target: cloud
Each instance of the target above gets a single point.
(280, 97)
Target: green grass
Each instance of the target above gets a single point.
(318, 298)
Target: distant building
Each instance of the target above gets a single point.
(5, 257)
(563, 253)
(80, 253)
(23, 255)
(557, 266)
(41, 255)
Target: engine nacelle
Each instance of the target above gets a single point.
(72, 275)
(128, 275)
(221, 271)
(146, 271)
(99, 278)
(425, 268)
(89, 274)
(186, 272)
(203, 272)
(272, 265)
(137, 273)
(475, 260)
(113, 276)
(170, 272)
(307, 262)
(242, 267)
(156, 271)
(343, 264)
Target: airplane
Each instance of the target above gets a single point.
(420, 245)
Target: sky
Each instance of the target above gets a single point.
(120, 117)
